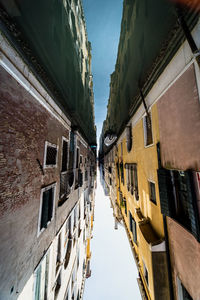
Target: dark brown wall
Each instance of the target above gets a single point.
(185, 258)
(179, 124)
(25, 125)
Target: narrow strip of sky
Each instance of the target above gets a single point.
(103, 20)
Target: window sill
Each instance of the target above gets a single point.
(148, 146)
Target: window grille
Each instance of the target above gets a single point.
(51, 155)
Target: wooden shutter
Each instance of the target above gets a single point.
(163, 183)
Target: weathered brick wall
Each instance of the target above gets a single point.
(25, 125)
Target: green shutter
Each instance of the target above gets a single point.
(192, 206)
(164, 183)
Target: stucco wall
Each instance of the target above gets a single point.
(179, 123)
(185, 258)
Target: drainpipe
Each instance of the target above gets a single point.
(171, 291)
(144, 103)
(169, 269)
(187, 33)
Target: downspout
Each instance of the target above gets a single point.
(144, 103)
(171, 291)
(187, 34)
(169, 268)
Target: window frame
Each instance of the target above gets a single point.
(77, 166)
(53, 185)
(45, 257)
(67, 141)
(145, 130)
(149, 186)
(45, 166)
(129, 137)
(133, 227)
(145, 270)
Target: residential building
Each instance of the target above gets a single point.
(48, 159)
(154, 111)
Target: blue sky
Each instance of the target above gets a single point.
(113, 267)
(103, 20)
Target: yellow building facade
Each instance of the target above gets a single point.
(138, 197)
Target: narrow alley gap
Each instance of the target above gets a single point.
(114, 273)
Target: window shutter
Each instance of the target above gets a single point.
(163, 183)
(64, 156)
(192, 205)
(134, 231)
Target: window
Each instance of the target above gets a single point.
(58, 285)
(125, 206)
(148, 137)
(182, 292)
(86, 175)
(132, 179)
(46, 206)
(77, 158)
(122, 172)
(68, 253)
(133, 228)
(41, 279)
(129, 138)
(146, 275)
(179, 199)
(152, 192)
(50, 155)
(64, 155)
(75, 218)
(58, 259)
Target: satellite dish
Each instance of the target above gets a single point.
(110, 139)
